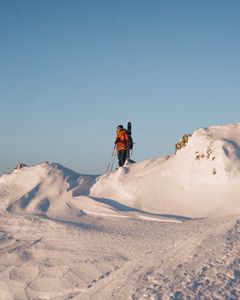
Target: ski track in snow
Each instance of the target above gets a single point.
(46, 259)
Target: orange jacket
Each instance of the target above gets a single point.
(121, 139)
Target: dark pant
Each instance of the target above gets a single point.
(122, 155)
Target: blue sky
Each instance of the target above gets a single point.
(71, 71)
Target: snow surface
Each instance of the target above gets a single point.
(202, 179)
(165, 228)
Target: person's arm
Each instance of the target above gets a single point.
(116, 140)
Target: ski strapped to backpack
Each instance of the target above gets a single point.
(130, 140)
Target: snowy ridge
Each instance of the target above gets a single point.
(208, 167)
(42, 189)
(57, 192)
(181, 184)
(65, 235)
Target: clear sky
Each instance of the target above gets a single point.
(72, 70)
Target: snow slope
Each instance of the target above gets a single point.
(182, 184)
(43, 189)
(69, 236)
(115, 259)
(53, 191)
(201, 179)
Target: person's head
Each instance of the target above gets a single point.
(119, 128)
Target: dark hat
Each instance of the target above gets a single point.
(120, 126)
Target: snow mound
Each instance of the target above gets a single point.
(44, 188)
(212, 151)
(53, 191)
(200, 179)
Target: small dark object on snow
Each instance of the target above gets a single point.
(20, 166)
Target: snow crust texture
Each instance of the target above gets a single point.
(45, 259)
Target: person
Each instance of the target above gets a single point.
(121, 144)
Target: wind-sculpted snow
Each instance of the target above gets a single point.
(57, 192)
(131, 234)
(43, 189)
(201, 179)
(207, 167)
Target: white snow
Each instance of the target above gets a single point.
(165, 228)
(201, 179)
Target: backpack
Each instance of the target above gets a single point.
(130, 142)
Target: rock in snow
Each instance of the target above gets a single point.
(165, 228)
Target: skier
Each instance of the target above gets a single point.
(121, 144)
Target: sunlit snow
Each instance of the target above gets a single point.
(165, 228)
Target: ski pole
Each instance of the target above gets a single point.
(110, 159)
(115, 152)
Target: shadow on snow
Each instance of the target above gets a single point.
(124, 208)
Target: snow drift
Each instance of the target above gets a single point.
(52, 248)
(201, 179)
(43, 189)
